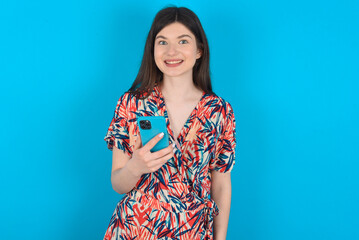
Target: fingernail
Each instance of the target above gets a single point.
(161, 134)
(174, 150)
(173, 145)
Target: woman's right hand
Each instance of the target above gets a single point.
(143, 161)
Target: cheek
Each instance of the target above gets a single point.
(192, 54)
(157, 56)
(158, 53)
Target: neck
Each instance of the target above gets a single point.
(176, 88)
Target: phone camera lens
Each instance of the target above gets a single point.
(145, 124)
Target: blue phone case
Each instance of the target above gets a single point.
(150, 127)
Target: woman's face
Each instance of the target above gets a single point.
(176, 50)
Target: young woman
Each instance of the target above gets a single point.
(182, 191)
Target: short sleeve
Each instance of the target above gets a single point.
(224, 158)
(118, 132)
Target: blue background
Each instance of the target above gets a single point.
(290, 70)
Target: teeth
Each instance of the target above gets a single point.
(173, 62)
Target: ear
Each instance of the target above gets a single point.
(199, 53)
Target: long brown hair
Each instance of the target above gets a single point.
(149, 74)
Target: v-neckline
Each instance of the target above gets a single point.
(185, 128)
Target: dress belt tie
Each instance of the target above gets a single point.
(211, 210)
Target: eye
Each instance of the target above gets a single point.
(162, 42)
(183, 41)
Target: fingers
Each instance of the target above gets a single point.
(148, 161)
(162, 152)
(153, 142)
(156, 164)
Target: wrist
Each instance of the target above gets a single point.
(132, 169)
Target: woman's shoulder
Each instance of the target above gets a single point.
(128, 97)
(132, 102)
(219, 103)
(124, 99)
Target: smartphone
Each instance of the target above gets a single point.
(150, 127)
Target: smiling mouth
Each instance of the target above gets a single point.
(171, 62)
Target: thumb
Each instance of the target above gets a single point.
(138, 142)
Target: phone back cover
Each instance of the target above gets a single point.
(158, 125)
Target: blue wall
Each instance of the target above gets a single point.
(290, 70)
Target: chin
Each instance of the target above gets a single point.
(174, 74)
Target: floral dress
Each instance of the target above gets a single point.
(174, 202)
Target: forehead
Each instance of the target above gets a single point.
(174, 30)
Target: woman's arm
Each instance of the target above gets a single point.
(221, 191)
(123, 178)
(126, 171)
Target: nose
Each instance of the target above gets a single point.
(172, 49)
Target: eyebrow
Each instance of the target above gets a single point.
(183, 35)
